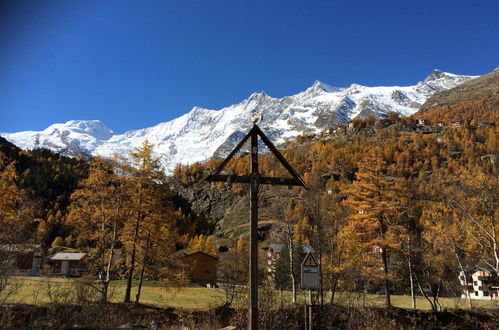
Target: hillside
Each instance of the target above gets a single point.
(483, 111)
(410, 151)
(483, 87)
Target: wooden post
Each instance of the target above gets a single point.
(253, 248)
(254, 180)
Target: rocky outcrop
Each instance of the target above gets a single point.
(212, 203)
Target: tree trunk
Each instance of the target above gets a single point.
(333, 288)
(107, 277)
(291, 267)
(433, 307)
(385, 279)
(411, 280)
(465, 274)
(104, 291)
(145, 259)
(131, 269)
(141, 279)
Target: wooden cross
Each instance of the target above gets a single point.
(255, 180)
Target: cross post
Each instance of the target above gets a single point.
(254, 180)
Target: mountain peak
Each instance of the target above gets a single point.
(256, 95)
(200, 133)
(435, 74)
(323, 86)
(94, 128)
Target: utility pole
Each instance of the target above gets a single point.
(255, 180)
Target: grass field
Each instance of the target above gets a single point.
(38, 290)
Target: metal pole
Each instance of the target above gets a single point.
(310, 309)
(253, 248)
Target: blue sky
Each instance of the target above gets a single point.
(133, 64)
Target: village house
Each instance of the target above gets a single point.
(201, 267)
(492, 158)
(22, 259)
(486, 124)
(422, 122)
(481, 284)
(69, 263)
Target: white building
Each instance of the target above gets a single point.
(483, 284)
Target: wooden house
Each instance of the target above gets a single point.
(201, 267)
(22, 259)
(69, 263)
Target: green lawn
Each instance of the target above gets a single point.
(36, 290)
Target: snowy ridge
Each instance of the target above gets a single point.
(202, 133)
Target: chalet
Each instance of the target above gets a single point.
(482, 284)
(486, 124)
(492, 158)
(422, 122)
(69, 263)
(201, 267)
(22, 259)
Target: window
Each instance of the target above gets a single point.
(486, 293)
(476, 293)
(475, 283)
(207, 271)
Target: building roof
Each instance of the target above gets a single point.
(19, 247)
(68, 256)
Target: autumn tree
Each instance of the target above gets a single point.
(157, 237)
(150, 219)
(202, 243)
(373, 204)
(15, 218)
(98, 213)
(287, 267)
(334, 219)
(233, 269)
(443, 244)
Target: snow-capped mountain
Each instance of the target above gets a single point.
(202, 133)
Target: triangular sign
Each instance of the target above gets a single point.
(310, 261)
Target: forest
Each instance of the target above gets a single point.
(396, 206)
(393, 207)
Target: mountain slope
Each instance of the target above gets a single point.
(479, 88)
(202, 133)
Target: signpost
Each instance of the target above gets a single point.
(255, 180)
(310, 273)
(309, 281)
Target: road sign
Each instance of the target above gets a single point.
(310, 273)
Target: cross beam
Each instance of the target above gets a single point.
(255, 180)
